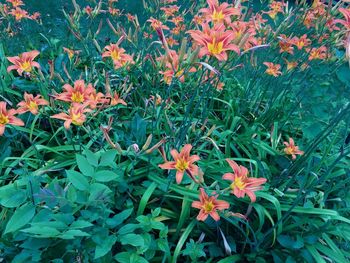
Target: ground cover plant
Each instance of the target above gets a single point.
(175, 131)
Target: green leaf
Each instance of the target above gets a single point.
(20, 218)
(105, 247)
(78, 180)
(119, 218)
(132, 239)
(128, 257)
(98, 191)
(73, 233)
(80, 224)
(288, 242)
(11, 196)
(42, 231)
(106, 176)
(84, 166)
(108, 157)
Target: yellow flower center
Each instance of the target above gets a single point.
(238, 183)
(181, 165)
(76, 119)
(290, 150)
(77, 97)
(217, 16)
(208, 207)
(26, 66)
(3, 119)
(32, 105)
(215, 48)
(179, 73)
(115, 55)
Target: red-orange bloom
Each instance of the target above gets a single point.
(292, 149)
(345, 22)
(118, 55)
(15, 3)
(209, 206)
(273, 69)
(8, 117)
(301, 42)
(182, 163)
(214, 41)
(317, 53)
(156, 24)
(219, 13)
(24, 62)
(242, 184)
(31, 103)
(19, 14)
(286, 44)
(75, 115)
(78, 94)
(115, 99)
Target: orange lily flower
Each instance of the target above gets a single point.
(19, 13)
(301, 42)
(317, 53)
(170, 10)
(291, 64)
(71, 52)
(219, 13)
(31, 103)
(15, 3)
(345, 22)
(214, 41)
(242, 184)
(292, 149)
(24, 62)
(209, 206)
(286, 44)
(96, 98)
(115, 99)
(273, 69)
(118, 55)
(156, 24)
(182, 163)
(75, 115)
(8, 117)
(78, 94)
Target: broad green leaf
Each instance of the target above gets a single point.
(20, 218)
(106, 176)
(42, 231)
(107, 158)
(132, 239)
(128, 257)
(78, 180)
(84, 166)
(119, 218)
(105, 247)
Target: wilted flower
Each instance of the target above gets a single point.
(242, 184)
(115, 99)
(71, 52)
(31, 103)
(292, 149)
(8, 117)
(24, 62)
(209, 206)
(182, 163)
